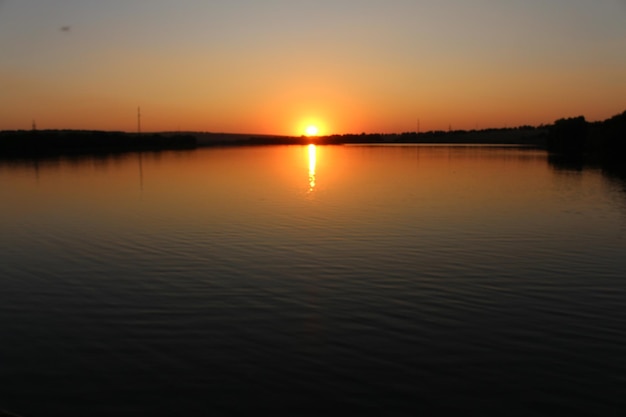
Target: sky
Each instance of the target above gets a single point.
(278, 66)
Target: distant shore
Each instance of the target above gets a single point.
(524, 135)
(42, 143)
(571, 137)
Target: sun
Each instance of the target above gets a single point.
(311, 130)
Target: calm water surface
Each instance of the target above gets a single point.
(347, 280)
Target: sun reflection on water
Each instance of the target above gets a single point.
(312, 164)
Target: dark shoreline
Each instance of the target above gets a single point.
(51, 143)
(572, 138)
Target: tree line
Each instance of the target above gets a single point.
(576, 137)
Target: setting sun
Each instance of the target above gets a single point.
(311, 130)
(311, 126)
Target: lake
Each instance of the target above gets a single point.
(312, 280)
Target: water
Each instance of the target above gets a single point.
(348, 280)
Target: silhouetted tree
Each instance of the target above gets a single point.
(568, 136)
(611, 136)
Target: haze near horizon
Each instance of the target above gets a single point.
(278, 66)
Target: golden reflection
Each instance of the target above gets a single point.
(312, 164)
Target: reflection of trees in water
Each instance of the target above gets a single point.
(566, 162)
(614, 173)
(55, 161)
(42, 164)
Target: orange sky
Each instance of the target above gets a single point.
(276, 66)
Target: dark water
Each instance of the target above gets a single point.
(301, 281)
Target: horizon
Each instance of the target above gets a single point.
(34, 127)
(281, 68)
